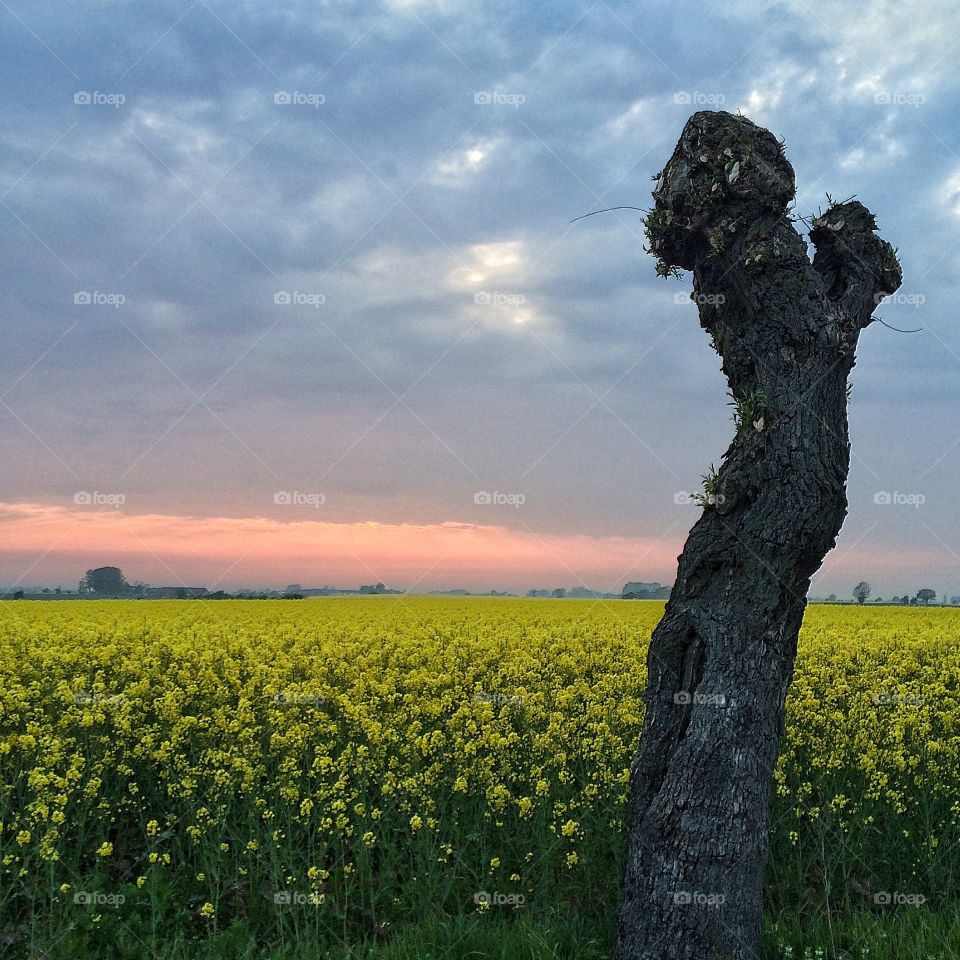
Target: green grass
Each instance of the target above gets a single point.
(910, 934)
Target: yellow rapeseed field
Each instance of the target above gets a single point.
(358, 761)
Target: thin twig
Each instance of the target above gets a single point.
(897, 329)
(606, 210)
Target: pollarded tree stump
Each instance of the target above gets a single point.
(721, 659)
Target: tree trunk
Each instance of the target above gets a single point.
(721, 659)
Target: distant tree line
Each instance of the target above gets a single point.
(863, 590)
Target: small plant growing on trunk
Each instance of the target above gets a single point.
(712, 489)
(749, 412)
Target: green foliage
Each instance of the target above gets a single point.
(708, 187)
(718, 242)
(654, 224)
(665, 270)
(707, 193)
(802, 933)
(712, 489)
(749, 410)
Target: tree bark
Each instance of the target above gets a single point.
(721, 659)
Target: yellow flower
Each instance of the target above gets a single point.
(207, 911)
(106, 848)
(390, 695)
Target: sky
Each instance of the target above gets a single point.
(291, 293)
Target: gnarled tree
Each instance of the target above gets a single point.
(721, 659)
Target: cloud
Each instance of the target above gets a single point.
(434, 224)
(950, 193)
(56, 544)
(53, 542)
(456, 168)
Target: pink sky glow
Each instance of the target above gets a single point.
(50, 544)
